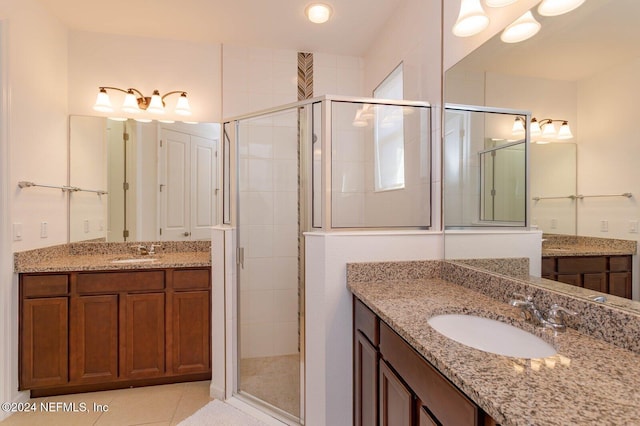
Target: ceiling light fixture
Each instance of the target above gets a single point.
(499, 3)
(135, 102)
(521, 29)
(318, 13)
(471, 19)
(558, 7)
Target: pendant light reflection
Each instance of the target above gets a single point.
(499, 3)
(471, 20)
(544, 128)
(558, 7)
(521, 29)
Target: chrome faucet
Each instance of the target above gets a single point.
(142, 250)
(554, 318)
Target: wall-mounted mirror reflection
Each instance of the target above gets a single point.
(581, 67)
(161, 180)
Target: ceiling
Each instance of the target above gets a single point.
(259, 23)
(597, 35)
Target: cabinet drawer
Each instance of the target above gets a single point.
(191, 279)
(109, 282)
(548, 265)
(367, 322)
(45, 285)
(582, 264)
(447, 403)
(620, 263)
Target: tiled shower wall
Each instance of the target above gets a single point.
(256, 79)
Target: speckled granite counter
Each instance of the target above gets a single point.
(589, 381)
(101, 256)
(571, 245)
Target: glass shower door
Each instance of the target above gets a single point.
(269, 361)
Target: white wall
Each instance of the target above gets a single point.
(328, 345)
(607, 151)
(145, 64)
(36, 68)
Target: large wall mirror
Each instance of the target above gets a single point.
(142, 181)
(582, 67)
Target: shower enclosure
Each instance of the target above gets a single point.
(325, 164)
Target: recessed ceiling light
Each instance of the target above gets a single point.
(318, 13)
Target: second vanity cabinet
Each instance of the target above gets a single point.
(84, 331)
(606, 274)
(394, 385)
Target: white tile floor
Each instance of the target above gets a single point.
(152, 405)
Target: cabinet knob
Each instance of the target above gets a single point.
(186, 234)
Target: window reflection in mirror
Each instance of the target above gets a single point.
(161, 180)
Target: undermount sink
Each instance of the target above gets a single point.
(491, 336)
(135, 260)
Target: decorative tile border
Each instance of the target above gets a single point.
(305, 76)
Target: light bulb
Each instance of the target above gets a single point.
(318, 13)
(130, 103)
(565, 131)
(155, 105)
(521, 29)
(103, 103)
(518, 127)
(558, 7)
(549, 130)
(535, 127)
(182, 107)
(471, 19)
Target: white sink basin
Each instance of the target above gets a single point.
(135, 260)
(491, 336)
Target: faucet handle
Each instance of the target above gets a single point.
(152, 248)
(524, 297)
(142, 249)
(557, 314)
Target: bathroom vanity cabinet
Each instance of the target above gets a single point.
(394, 385)
(606, 274)
(82, 331)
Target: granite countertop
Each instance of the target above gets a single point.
(580, 250)
(589, 381)
(572, 245)
(101, 257)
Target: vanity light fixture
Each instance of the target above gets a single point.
(545, 128)
(471, 19)
(135, 102)
(521, 29)
(318, 13)
(558, 7)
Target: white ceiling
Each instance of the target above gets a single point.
(597, 35)
(260, 23)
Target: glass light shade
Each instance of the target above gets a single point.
(471, 19)
(143, 120)
(167, 121)
(182, 107)
(499, 3)
(535, 127)
(518, 127)
(318, 13)
(565, 131)
(103, 103)
(155, 105)
(521, 29)
(549, 130)
(117, 118)
(558, 7)
(130, 104)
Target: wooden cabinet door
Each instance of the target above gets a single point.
(94, 339)
(366, 381)
(620, 284)
(573, 279)
(425, 418)
(191, 332)
(144, 335)
(44, 342)
(595, 281)
(396, 401)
